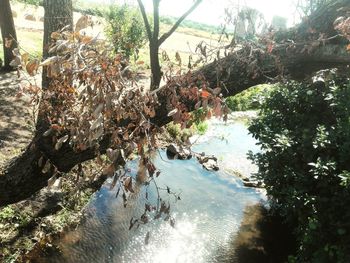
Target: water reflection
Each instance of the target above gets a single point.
(210, 211)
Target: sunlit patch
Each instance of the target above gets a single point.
(184, 243)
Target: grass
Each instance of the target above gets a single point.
(7, 213)
(16, 217)
(199, 126)
(29, 41)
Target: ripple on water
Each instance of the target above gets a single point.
(210, 211)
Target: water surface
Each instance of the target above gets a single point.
(207, 216)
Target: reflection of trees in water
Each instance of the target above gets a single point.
(262, 237)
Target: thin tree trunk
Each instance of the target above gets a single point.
(58, 14)
(8, 31)
(155, 66)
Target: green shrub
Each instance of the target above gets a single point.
(250, 99)
(198, 122)
(304, 133)
(125, 29)
(201, 127)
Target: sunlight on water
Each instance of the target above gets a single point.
(167, 244)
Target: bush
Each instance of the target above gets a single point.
(304, 133)
(250, 99)
(125, 29)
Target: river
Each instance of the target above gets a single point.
(206, 218)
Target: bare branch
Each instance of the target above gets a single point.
(145, 19)
(178, 22)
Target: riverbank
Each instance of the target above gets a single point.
(37, 221)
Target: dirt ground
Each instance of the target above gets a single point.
(15, 119)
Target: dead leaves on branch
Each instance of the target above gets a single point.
(90, 100)
(89, 97)
(342, 25)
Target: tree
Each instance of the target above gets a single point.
(155, 41)
(125, 29)
(293, 54)
(8, 32)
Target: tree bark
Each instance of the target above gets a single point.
(58, 14)
(8, 31)
(155, 65)
(244, 68)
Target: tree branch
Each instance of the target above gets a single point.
(145, 20)
(155, 20)
(178, 22)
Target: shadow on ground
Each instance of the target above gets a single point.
(15, 130)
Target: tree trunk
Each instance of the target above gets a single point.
(155, 66)
(244, 68)
(58, 14)
(7, 31)
(28, 170)
(23, 176)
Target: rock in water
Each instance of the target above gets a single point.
(209, 162)
(211, 165)
(174, 151)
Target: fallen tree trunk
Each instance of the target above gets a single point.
(293, 54)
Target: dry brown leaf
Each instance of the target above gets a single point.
(55, 35)
(32, 67)
(198, 104)
(82, 23)
(8, 42)
(217, 91)
(16, 62)
(109, 170)
(172, 112)
(60, 142)
(47, 167)
(49, 61)
(25, 57)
